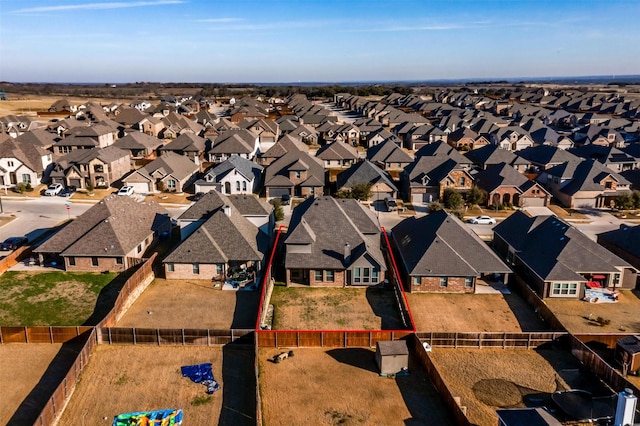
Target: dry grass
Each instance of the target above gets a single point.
(5, 220)
(36, 192)
(623, 316)
(170, 197)
(488, 379)
(563, 213)
(21, 366)
(473, 313)
(98, 194)
(303, 308)
(191, 304)
(342, 386)
(479, 211)
(121, 379)
(31, 104)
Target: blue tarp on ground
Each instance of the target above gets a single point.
(171, 417)
(201, 373)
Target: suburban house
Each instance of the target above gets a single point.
(111, 236)
(140, 145)
(465, 139)
(242, 142)
(286, 144)
(222, 245)
(268, 131)
(86, 137)
(586, 183)
(235, 175)
(188, 145)
(333, 243)
(296, 174)
(513, 138)
(614, 158)
(425, 180)
(151, 126)
(543, 157)
(337, 155)
(91, 167)
(365, 172)
(169, 172)
(22, 163)
(437, 253)
(503, 185)
(624, 242)
(389, 156)
(556, 259)
(491, 154)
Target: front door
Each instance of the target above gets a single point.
(12, 178)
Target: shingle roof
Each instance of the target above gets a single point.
(492, 154)
(388, 152)
(246, 205)
(234, 141)
(186, 142)
(280, 169)
(113, 227)
(138, 140)
(498, 175)
(337, 151)
(626, 237)
(172, 164)
(28, 154)
(363, 172)
(247, 168)
(440, 245)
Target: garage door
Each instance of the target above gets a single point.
(140, 187)
(534, 202)
(279, 192)
(75, 182)
(584, 202)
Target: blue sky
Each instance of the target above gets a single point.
(330, 41)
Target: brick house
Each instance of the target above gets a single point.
(425, 180)
(504, 185)
(111, 236)
(623, 242)
(438, 254)
(333, 243)
(98, 167)
(295, 173)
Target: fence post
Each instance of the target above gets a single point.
(158, 335)
(480, 341)
(26, 335)
(455, 341)
(208, 337)
(109, 335)
(51, 334)
(1, 338)
(529, 341)
(276, 339)
(133, 331)
(345, 339)
(232, 339)
(322, 339)
(370, 340)
(66, 393)
(297, 339)
(182, 331)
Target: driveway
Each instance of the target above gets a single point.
(538, 211)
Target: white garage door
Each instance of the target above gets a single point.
(140, 187)
(534, 202)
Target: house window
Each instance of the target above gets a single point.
(298, 174)
(98, 168)
(244, 185)
(608, 185)
(461, 181)
(329, 275)
(374, 275)
(365, 275)
(118, 261)
(139, 249)
(72, 261)
(171, 184)
(416, 280)
(318, 275)
(468, 282)
(444, 282)
(238, 185)
(10, 163)
(564, 289)
(196, 268)
(219, 268)
(170, 267)
(616, 279)
(94, 261)
(357, 278)
(26, 178)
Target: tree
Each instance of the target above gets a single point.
(636, 199)
(160, 186)
(475, 196)
(361, 191)
(89, 186)
(435, 206)
(625, 202)
(452, 199)
(277, 208)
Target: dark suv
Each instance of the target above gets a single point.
(68, 191)
(13, 243)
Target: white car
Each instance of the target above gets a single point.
(53, 189)
(126, 190)
(482, 220)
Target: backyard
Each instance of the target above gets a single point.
(56, 298)
(339, 387)
(191, 304)
(579, 316)
(473, 312)
(121, 379)
(298, 308)
(489, 379)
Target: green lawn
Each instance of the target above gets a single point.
(55, 298)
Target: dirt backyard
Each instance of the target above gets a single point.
(579, 316)
(298, 308)
(489, 379)
(21, 367)
(192, 304)
(342, 387)
(473, 312)
(121, 379)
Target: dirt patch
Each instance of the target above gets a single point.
(302, 308)
(122, 379)
(170, 198)
(579, 316)
(342, 387)
(191, 304)
(21, 366)
(473, 313)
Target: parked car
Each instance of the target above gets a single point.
(482, 220)
(68, 191)
(126, 190)
(390, 204)
(53, 189)
(285, 200)
(13, 243)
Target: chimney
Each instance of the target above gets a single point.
(626, 409)
(347, 253)
(227, 210)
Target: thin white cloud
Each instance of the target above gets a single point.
(273, 26)
(407, 28)
(96, 6)
(220, 20)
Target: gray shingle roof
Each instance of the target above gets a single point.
(246, 205)
(388, 152)
(247, 168)
(363, 172)
(440, 245)
(626, 237)
(170, 163)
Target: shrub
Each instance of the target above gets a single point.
(277, 208)
(90, 187)
(28, 187)
(160, 186)
(475, 196)
(452, 199)
(435, 206)
(20, 188)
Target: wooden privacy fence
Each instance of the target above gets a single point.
(600, 367)
(538, 304)
(181, 336)
(45, 334)
(396, 281)
(489, 340)
(130, 291)
(447, 397)
(13, 258)
(56, 403)
(331, 339)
